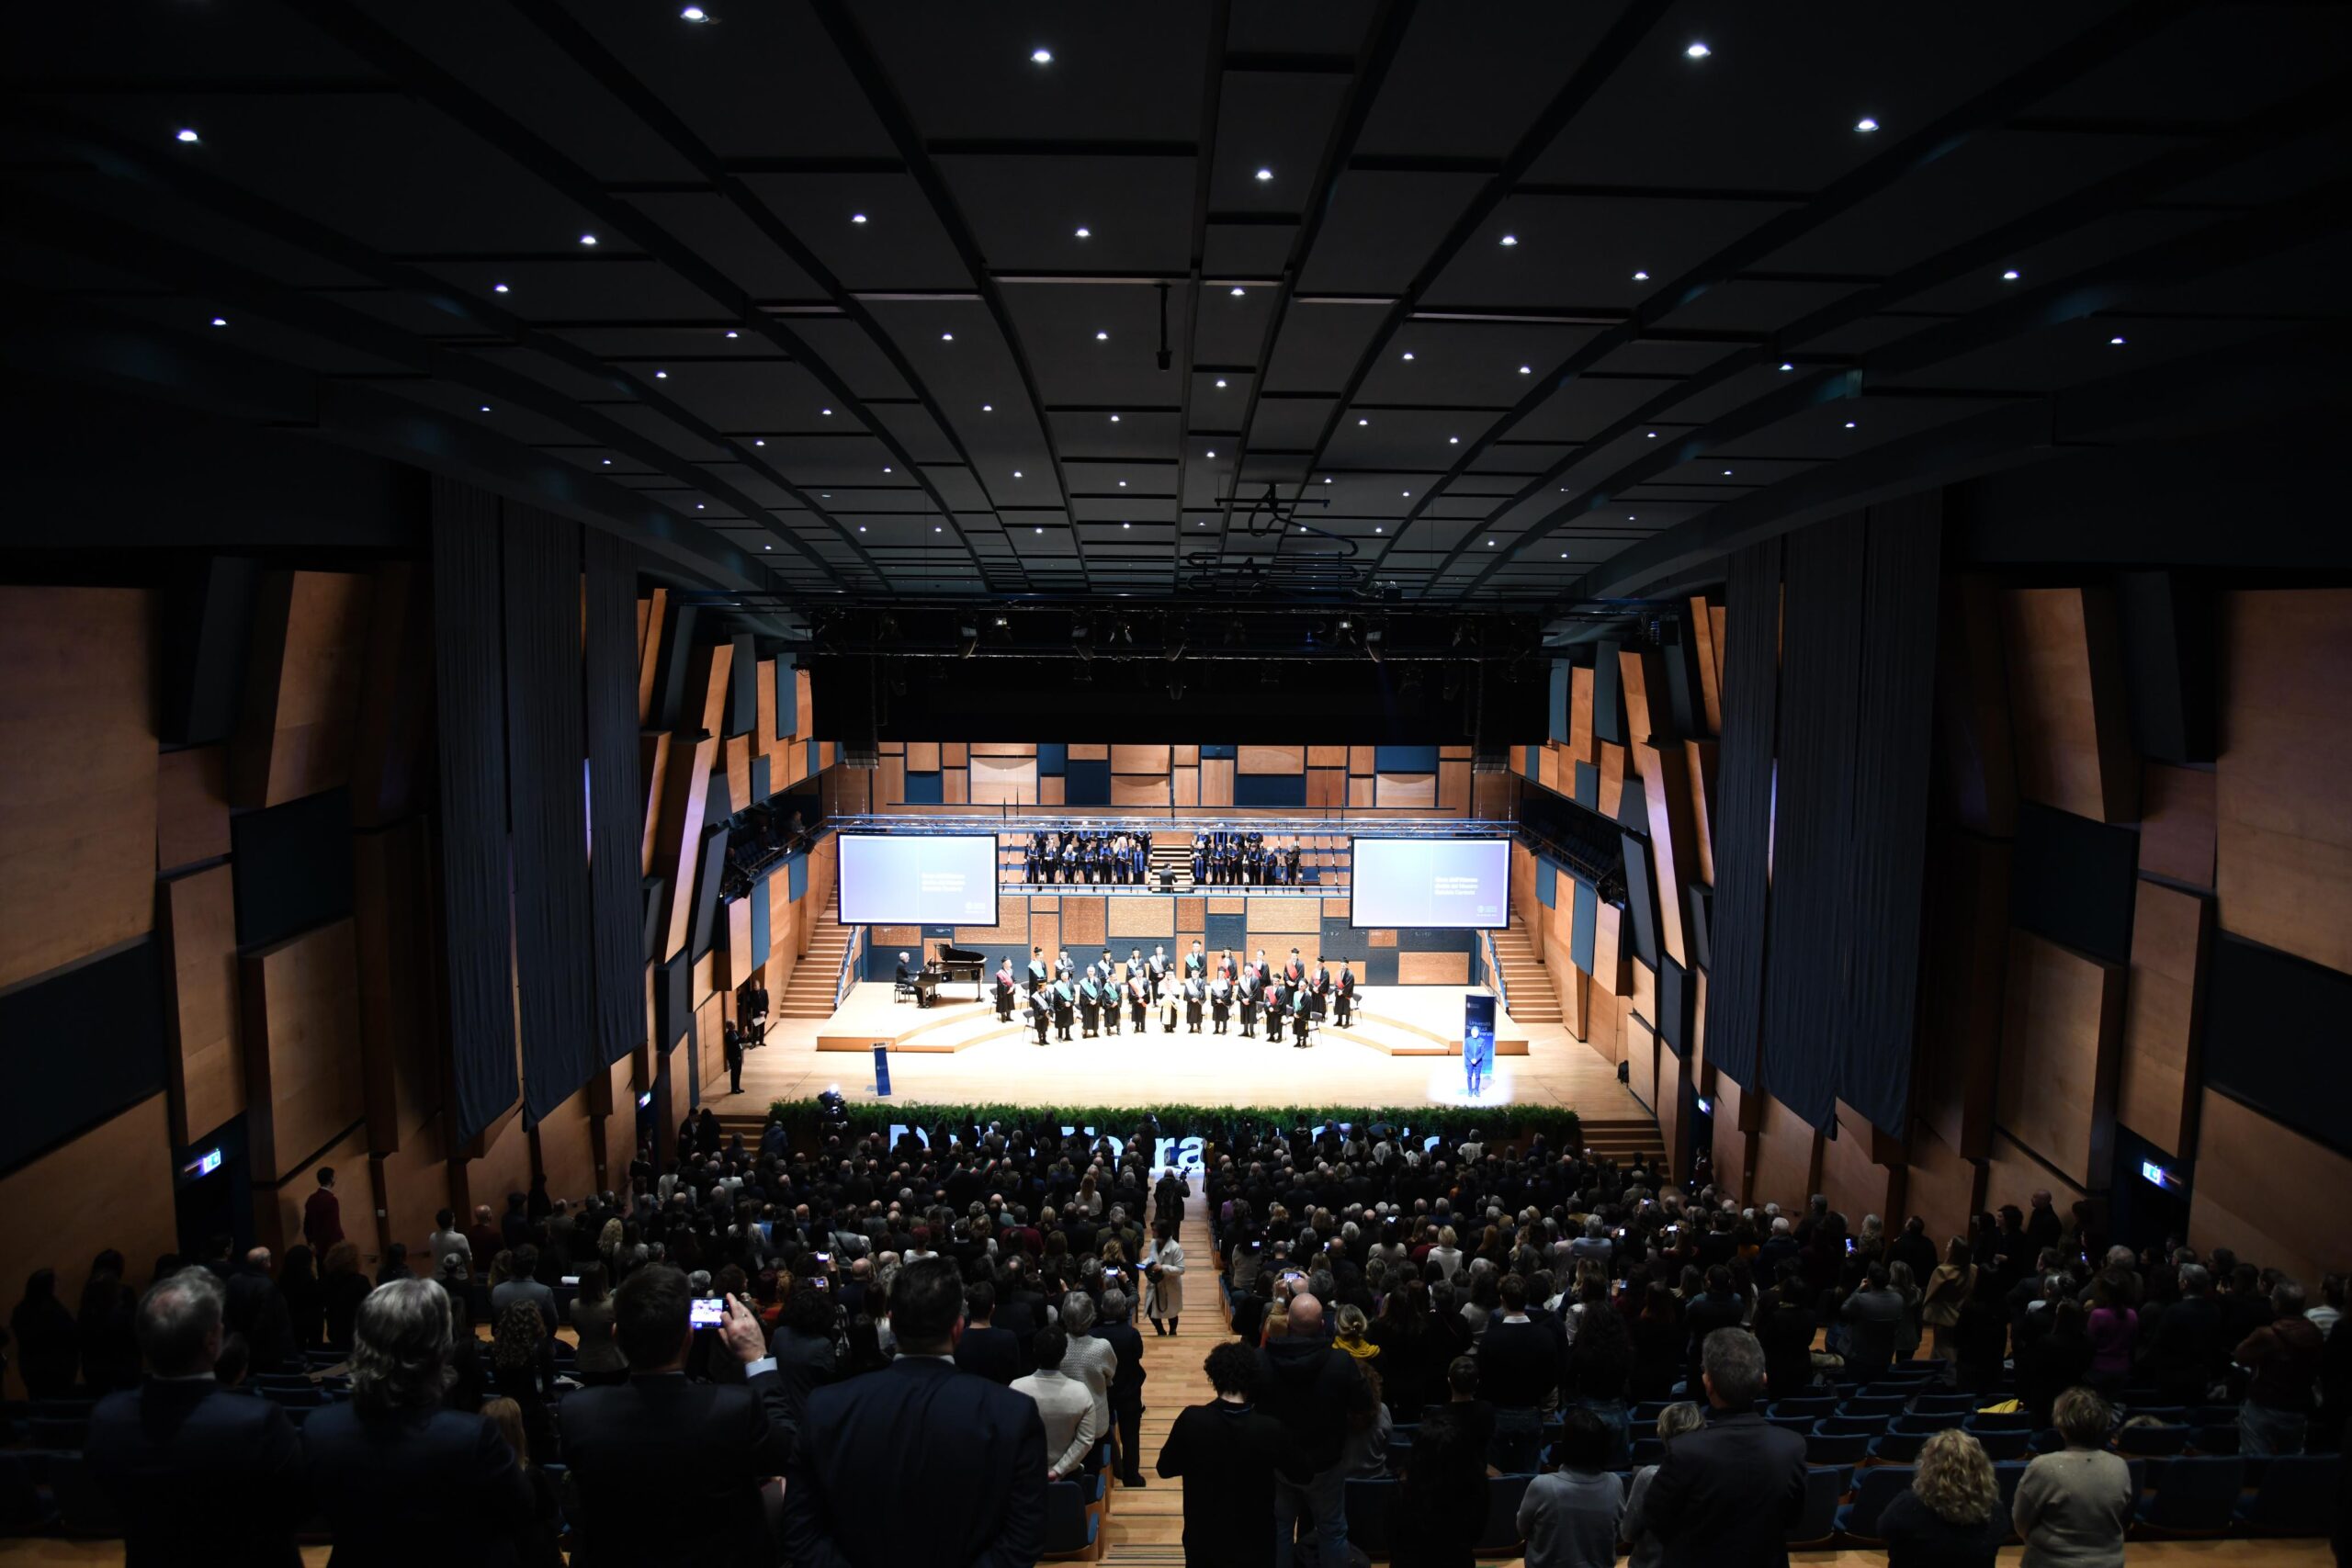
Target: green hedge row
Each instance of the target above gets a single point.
(1178, 1119)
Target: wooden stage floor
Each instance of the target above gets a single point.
(1001, 1064)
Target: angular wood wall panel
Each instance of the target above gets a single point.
(1139, 759)
(302, 679)
(2256, 1182)
(652, 771)
(2071, 728)
(1610, 950)
(413, 1184)
(2012, 1175)
(1788, 1156)
(206, 1061)
(953, 754)
(563, 1148)
(708, 674)
(1634, 683)
(1085, 924)
(77, 775)
(649, 645)
(1704, 758)
(1430, 968)
(1286, 917)
(1139, 789)
(1408, 791)
(955, 787)
(2062, 1038)
(1612, 778)
(1270, 758)
(1216, 780)
(301, 1047)
(191, 806)
(1673, 844)
(1703, 631)
(1670, 1073)
(1854, 1182)
(1360, 760)
(1641, 1069)
(923, 756)
(1734, 1147)
(1130, 916)
(677, 838)
(1940, 1186)
(2157, 1093)
(2284, 848)
(2176, 824)
(1580, 745)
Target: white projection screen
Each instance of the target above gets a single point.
(918, 879)
(1456, 884)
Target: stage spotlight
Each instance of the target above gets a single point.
(971, 635)
(1371, 644)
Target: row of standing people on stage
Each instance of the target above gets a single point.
(1233, 857)
(1053, 994)
(1113, 859)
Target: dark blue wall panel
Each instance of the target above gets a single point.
(1052, 760)
(1547, 883)
(1405, 759)
(1588, 907)
(1269, 789)
(924, 789)
(1226, 932)
(1219, 753)
(787, 699)
(1380, 966)
(796, 867)
(1342, 941)
(1556, 706)
(1086, 783)
(763, 943)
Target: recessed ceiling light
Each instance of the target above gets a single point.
(1490, 544)
(1453, 441)
(1407, 354)
(1037, 530)
(1866, 124)
(498, 289)
(1378, 529)
(608, 462)
(857, 217)
(1849, 424)
(861, 527)
(1239, 291)
(1406, 493)
(661, 375)
(1123, 484)
(1726, 473)
(1016, 473)
(1510, 239)
(1641, 277)
(1787, 366)
(2009, 277)
(695, 14)
(759, 440)
(1564, 555)
(1629, 517)
(987, 408)
(2117, 342)
(185, 134)
(485, 408)
(826, 495)
(1364, 421)
(767, 546)
(936, 529)
(219, 320)
(1115, 419)
(1220, 383)
(1085, 233)
(827, 412)
(1102, 337)
(1041, 57)
(587, 239)
(1126, 524)
(1212, 452)
(886, 470)
(1653, 434)
(732, 332)
(1698, 51)
(1526, 370)
(1327, 478)
(947, 337)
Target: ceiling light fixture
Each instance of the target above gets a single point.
(1407, 354)
(485, 408)
(886, 470)
(1041, 57)
(1085, 233)
(608, 462)
(1378, 529)
(1220, 383)
(1866, 125)
(587, 239)
(1239, 291)
(1490, 544)
(1526, 370)
(947, 337)
(1406, 493)
(1123, 484)
(219, 320)
(987, 408)
(698, 507)
(1264, 175)
(2010, 277)
(1787, 366)
(661, 375)
(1364, 421)
(827, 412)
(1641, 277)
(767, 546)
(1698, 51)
(2117, 341)
(1212, 451)
(1037, 530)
(1653, 434)
(1453, 441)
(1510, 240)
(857, 217)
(1016, 473)
(759, 440)
(695, 14)
(1849, 424)
(186, 134)
(1115, 419)
(1102, 337)
(498, 289)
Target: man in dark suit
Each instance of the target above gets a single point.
(703, 1450)
(973, 1453)
(1118, 1330)
(1719, 1306)
(256, 1308)
(983, 1348)
(197, 1474)
(1728, 1493)
(1518, 1358)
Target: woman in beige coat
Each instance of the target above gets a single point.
(1164, 1274)
(2072, 1506)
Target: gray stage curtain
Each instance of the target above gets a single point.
(616, 916)
(1744, 811)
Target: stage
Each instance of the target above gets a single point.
(958, 1051)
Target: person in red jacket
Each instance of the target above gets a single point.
(322, 1215)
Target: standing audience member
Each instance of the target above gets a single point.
(1229, 1455)
(536, 1544)
(104, 1328)
(341, 1290)
(805, 1345)
(1569, 1519)
(1649, 1552)
(1952, 1516)
(2113, 1327)
(523, 1285)
(306, 1305)
(1118, 1331)
(453, 1255)
(1310, 1387)
(1063, 1403)
(983, 1348)
(2284, 1357)
(1727, 1495)
(1163, 1272)
(1095, 1363)
(1441, 1496)
(522, 1359)
(1873, 1315)
(600, 1362)
(256, 1311)
(971, 1454)
(47, 1355)
(390, 1467)
(197, 1474)
(703, 1449)
(2072, 1506)
(322, 1215)
(1952, 1283)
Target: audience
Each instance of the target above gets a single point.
(1228, 1456)
(1569, 1517)
(2284, 1357)
(1649, 1552)
(539, 1543)
(992, 1352)
(1441, 1494)
(1117, 1330)
(2072, 1506)
(1310, 1386)
(1952, 1516)
(47, 1354)
(1726, 1494)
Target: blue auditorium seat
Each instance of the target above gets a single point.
(1879, 1484)
(1369, 1507)
(1069, 1529)
(1823, 1486)
(2152, 1440)
(1838, 1448)
(2193, 1496)
(1921, 1423)
(1504, 1494)
(2297, 1496)
(1898, 1448)
(1868, 1425)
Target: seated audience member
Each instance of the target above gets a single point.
(1063, 1403)
(971, 1453)
(1569, 1519)
(1649, 1552)
(2074, 1506)
(703, 1449)
(390, 1467)
(2284, 1357)
(534, 1545)
(1952, 1516)
(1227, 1455)
(197, 1474)
(1727, 1493)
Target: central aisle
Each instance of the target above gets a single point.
(1146, 1526)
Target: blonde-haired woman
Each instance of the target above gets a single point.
(1952, 1517)
(2072, 1506)
(1649, 1552)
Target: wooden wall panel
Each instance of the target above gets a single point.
(1673, 850)
(1359, 791)
(303, 676)
(2284, 850)
(738, 947)
(413, 1184)
(1326, 757)
(1084, 922)
(1270, 758)
(1216, 780)
(301, 1046)
(2012, 1175)
(2061, 1049)
(2070, 726)
(1005, 749)
(1326, 788)
(111, 1186)
(1734, 1147)
(953, 754)
(1411, 791)
(1634, 684)
(1640, 1068)
(923, 756)
(1856, 1183)
(2176, 824)
(2257, 1183)
(1701, 757)
(1671, 1069)
(955, 787)
(805, 702)
(1612, 778)
(1139, 789)
(1191, 917)
(1430, 968)
(1141, 914)
(1940, 1187)
(1453, 787)
(502, 1165)
(1049, 790)
(1139, 760)
(652, 777)
(650, 612)
(395, 918)
(1360, 760)
(1004, 781)
(1012, 922)
(677, 838)
(1274, 916)
(1610, 950)
(1788, 1155)
(1962, 959)
(709, 674)
(191, 806)
(890, 784)
(1045, 932)
(1701, 629)
(2163, 1017)
(710, 1047)
(565, 1150)
(78, 759)
(1187, 783)
(737, 748)
(206, 1059)
(1088, 751)
(1578, 747)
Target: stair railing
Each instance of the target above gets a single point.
(851, 952)
(1493, 970)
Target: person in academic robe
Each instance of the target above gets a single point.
(1196, 964)
(1343, 996)
(1005, 991)
(1220, 1002)
(1063, 970)
(1159, 966)
(1090, 1004)
(1226, 968)
(1135, 962)
(1196, 991)
(1294, 972)
(1106, 968)
(1036, 969)
(1200, 858)
(1290, 864)
(1277, 1011)
(1041, 1013)
(1320, 984)
(1138, 1000)
(1302, 1007)
(1033, 861)
(1065, 1002)
(1248, 995)
(1170, 995)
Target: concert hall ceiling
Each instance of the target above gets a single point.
(1524, 301)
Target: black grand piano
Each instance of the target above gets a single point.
(954, 966)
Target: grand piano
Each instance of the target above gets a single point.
(954, 966)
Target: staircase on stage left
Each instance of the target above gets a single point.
(814, 975)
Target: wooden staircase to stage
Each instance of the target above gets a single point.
(1621, 1137)
(810, 992)
(1528, 983)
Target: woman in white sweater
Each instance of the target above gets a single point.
(1163, 1272)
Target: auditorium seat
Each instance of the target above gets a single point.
(1070, 1530)
(1944, 1404)
(1919, 1424)
(2152, 1440)
(1869, 1426)
(2297, 1495)
(1823, 1487)
(2004, 1445)
(1810, 1405)
(82, 1508)
(1369, 1506)
(1504, 1494)
(1838, 1448)
(1875, 1401)
(2215, 1439)
(2193, 1496)
(1858, 1520)
(1802, 1426)
(2000, 1421)
(1898, 1448)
